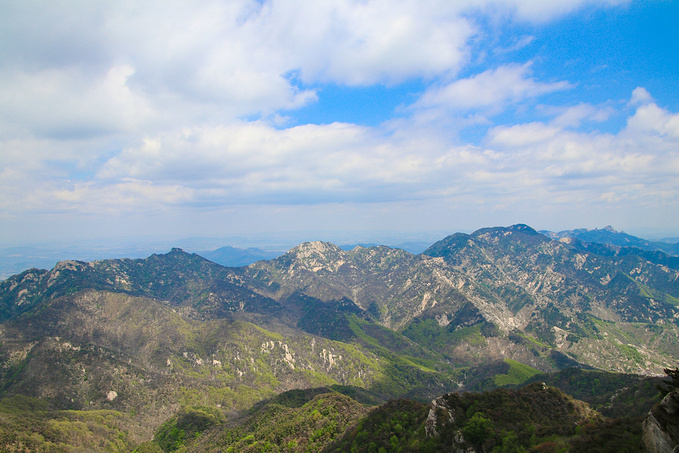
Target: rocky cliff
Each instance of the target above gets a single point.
(661, 426)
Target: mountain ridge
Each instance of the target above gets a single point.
(608, 235)
(154, 336)
(509, 278)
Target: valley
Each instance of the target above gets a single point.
(323, 345)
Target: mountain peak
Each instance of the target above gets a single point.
(519, 233)
(611, 237)
(522, 228)
(316, 248)
(505, 231)
(71, 265)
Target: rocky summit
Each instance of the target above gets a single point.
(176, 352)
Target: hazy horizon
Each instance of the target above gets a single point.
(17, 258)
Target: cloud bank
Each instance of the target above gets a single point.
(121, 108)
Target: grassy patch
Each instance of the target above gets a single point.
(532, 339)
(630, 352)
(517, 374)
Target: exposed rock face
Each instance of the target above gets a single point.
(611, 309)
(495, 294)
(661, 427)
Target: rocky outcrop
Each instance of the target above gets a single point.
(661, 427)
(518, 294)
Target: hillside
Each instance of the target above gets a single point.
(177, 337)
(497, 293)
(535, 417)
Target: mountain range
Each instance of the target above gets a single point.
(609, 235)
(143, 341)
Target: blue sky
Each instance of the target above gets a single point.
(341, 120)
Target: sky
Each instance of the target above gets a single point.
(335, 120)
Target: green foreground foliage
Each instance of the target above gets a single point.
(28, 425)
(298, 420)
(534, 418)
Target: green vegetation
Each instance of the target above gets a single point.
(614, 395)
(630, 352)
(443, 339)
(109, 355)
(28, 424)
(299, 420)
(534, 418)
(518, 374)
(609, 436)
(184, 427)
(478, 429)
(394, 426)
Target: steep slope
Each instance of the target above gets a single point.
(391, 285)
(97, 349)
(661, 426)
(521, 266)
(616, 312)
(499, 292)
(177, 277)
(150, 338)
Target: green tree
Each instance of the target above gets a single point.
(478, 429)
(510, 444)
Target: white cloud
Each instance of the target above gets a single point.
(522, 135)
(640, 96)
(637, 165)
(360, 43)
(491, 89)
(216, 60)
(542, 11)
(652, 119)
(254, 162)
(574, 116)
(127, 106)
(64, 102)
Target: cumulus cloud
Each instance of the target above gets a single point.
(649, 118)
(254, 161)
(360, 43)
(220, 60)
(491, 89)
(640, 96)
(125, 106)
(638, 164)
(63, 102)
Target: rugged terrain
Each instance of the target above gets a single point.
(177, 337)
(498, 293)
